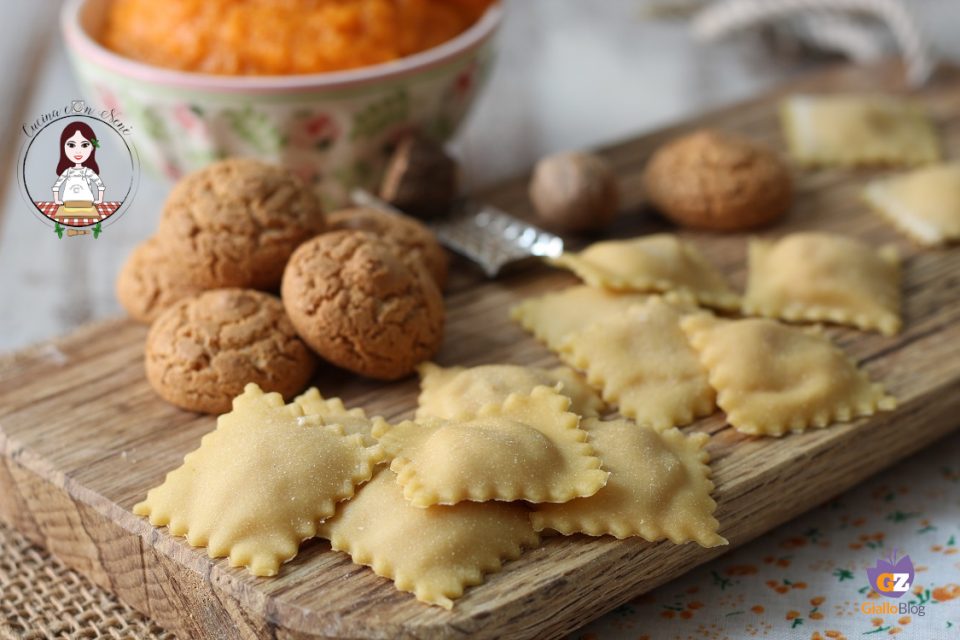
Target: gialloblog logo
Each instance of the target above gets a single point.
(891, 577)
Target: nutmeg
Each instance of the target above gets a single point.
(420, 179)
(718, 181)
(574, 191)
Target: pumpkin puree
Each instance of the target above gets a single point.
(280, 37)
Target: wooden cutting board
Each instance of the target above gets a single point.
(83, 437)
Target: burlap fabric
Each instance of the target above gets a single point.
(42, 598)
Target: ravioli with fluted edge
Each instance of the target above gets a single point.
(553, 316)
(460, 392)
(642, 363)
(260, 483)
(825, 277)
(924, 204)
(528, 447)
(772, 378)
(659, 488)
(657, 263)
(851, 129)
(333, 411)
(434, 553)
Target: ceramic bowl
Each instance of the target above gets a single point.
(334, 129)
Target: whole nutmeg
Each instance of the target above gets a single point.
(718, 182)
(420, 179)
(574, 191)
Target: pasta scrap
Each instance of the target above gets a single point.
(656, 263)
(458, 392)
(553, 316)
(643, 364)
(434, 553)
(659, 488)
(814, 277)
(772, 379)
(858, 130)
(529, 447)
(225, 495)
(924, 204)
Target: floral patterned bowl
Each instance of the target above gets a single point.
(334, 129)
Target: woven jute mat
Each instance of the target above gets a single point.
(42, 598)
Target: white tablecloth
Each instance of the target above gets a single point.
(808, 578)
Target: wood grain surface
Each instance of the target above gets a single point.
(83, 436)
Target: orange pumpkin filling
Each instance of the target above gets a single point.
(281, 37)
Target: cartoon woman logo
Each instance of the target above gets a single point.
(96, 163)
(78, 187)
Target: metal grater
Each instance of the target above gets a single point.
(485, 235)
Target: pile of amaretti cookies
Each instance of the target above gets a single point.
(361, 288)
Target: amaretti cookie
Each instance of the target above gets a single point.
(718, 181)
(204, 350)
(413, 239)
(361, 307)
(236, 222)
(151, 281)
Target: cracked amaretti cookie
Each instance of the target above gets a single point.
(413, 239)
(202, 351)
(236, 222)
(151, 281)
(362, 307)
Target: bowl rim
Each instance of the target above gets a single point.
(86, 47)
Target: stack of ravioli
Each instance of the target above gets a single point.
(641, 332)
(496, 455)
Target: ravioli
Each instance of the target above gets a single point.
(553, 316)
(643, 364)
(659, 488)
(656, 263)
(528, 447)
(850, 130)
(260, 483)
(814, 277)
(459, 392)
(924, 204)
(772, 379)
(333, 411)
(433, 553)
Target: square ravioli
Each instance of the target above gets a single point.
(433, 553)
(333, 411)
(553, 316)
(657, 263)
(771, 378)
(823, 277)
(924, 204)
(260, 483)
(659, 488)
(529, 447)
(858, 130)
(460, 392)
(643, 364)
